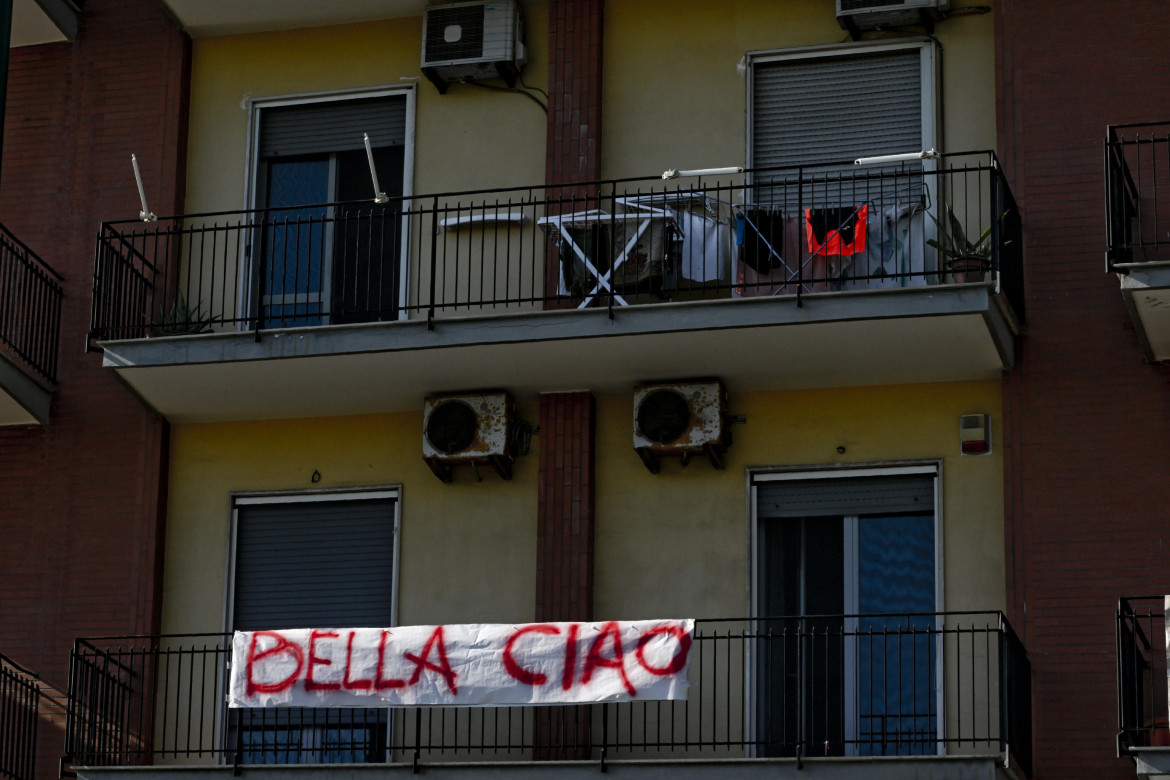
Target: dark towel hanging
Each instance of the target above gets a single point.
(763, 239)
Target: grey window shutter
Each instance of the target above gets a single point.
(320, 564)
(870, 495)
(332, 126)
(828, 109)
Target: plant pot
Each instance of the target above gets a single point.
(968, 268)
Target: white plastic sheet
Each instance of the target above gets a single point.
(462, 665)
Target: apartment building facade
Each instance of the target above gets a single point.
(879, 417)
(81, 501)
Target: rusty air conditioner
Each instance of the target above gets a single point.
(468, 430)
(683, 419)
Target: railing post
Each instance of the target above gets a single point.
(258, 281)
(609, 250)
(417, 738)
(1004, 694)
(604, 736)
(996, 218)
(238, 754)
(802, 240)
(434, 260)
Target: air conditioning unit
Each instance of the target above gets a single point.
(468, 41)
(683, 419)
(468, 430)
(857, 15)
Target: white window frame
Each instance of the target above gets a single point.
(756, 476)
(393, 493)
(256, 107)
(311, 737)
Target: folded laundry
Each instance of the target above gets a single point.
(836, 231)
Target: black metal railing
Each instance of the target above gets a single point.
(877, 685)
(30, 306)
(20, 698)
(1137, 193)
(1143, 717)
(789, 231)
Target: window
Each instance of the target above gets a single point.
(322, 560)
(811, 113)
(326, 253)
(840, 103)
(847, 581)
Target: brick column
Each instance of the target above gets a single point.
(573, 141)
(574, 89)
(564, 542)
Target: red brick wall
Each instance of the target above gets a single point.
(574, 86)
(565, 507)
(1086, 420)
(81, 500)
(564, 547)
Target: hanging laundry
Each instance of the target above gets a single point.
(760, 238)
(836, 231)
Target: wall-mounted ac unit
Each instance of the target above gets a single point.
(468, 430)
(468, 41)
(857, 15)
(683, 419)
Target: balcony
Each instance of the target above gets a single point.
(30, 325)
(1143, 717)
(1137, 204)
(948, 689)
(20, 698)
(800, 277)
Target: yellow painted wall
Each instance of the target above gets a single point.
(675, 544)
(673, 94)
(469, 138)
(675, 97)
(454, 544)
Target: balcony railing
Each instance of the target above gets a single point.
(776, 232)
(1137, 193)
(20, 698)
(878, 685)
(30, 306)
(1143, 714)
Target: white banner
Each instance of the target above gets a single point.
(462, 665)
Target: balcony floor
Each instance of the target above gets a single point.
(928, 334)
(885, 768)
(23, 400)
(1145, 287)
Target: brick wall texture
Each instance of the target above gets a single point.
(565, 507)
(574, 78)
(81, 500)
(1086, 420)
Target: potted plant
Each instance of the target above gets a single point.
(967, 259)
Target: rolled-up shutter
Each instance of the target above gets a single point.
(314, 564)
(822, 109)
(867, 495)
(332, 126)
